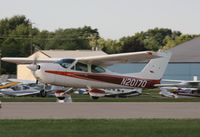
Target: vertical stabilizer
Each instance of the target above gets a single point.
(195, 78)
(155, 68)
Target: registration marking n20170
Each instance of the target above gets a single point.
(132, 82)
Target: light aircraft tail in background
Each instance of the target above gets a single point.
(180, 88)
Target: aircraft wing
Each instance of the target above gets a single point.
(171, 80)
(27, 60)
(190, 84)
(107, 60)
(104, 60)
(8, 84)
(167, 85)
(22, 81)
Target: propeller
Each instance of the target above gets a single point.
(33, 67)
(36, 58)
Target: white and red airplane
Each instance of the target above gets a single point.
(91, 72)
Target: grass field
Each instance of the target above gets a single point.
(100, 128)
(147, 96)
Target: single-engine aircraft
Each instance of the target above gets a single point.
(114, 93)
(7, 84)
(20, 90)
(180, 88)
(28, 88)
(91, 72)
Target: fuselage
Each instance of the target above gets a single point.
(90, 76)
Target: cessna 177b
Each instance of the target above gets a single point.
(91, 72)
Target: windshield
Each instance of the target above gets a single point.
(65, 63)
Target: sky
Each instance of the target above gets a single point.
(113, 18)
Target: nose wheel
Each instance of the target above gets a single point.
(63, 97)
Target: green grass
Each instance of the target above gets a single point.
(100, 128)
(27, 99)
(150, 95)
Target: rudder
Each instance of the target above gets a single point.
(155, 68)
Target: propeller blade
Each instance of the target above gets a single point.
(36, 58)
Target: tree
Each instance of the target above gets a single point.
(132, 44)
(14, 41)
(111, 46)
(71, 39)
(172, 42)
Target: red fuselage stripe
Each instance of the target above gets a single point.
(112, 79)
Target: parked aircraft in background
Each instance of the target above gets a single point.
(90, 72)
(18, 87)
(180, 88)
(28, 88)
(8, 84)
(81, 91)
(20, 90)
(116, 93)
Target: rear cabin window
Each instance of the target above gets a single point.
(97, 69)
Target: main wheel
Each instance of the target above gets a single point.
(93, 97)
(43, 93)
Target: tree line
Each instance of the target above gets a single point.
(18, 38)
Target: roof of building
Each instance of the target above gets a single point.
(188, 52)
(70, 53)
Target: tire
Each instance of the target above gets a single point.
(43, 93)
(95, 98)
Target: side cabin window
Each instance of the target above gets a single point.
(65, 63)
(97, 69)
(81, 67)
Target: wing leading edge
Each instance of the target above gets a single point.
(104, 60)
(107, 60)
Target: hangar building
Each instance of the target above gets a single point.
(184, 63)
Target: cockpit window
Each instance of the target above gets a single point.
(16, 88)
(81, 67)
(65, 63)
(97, 69)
